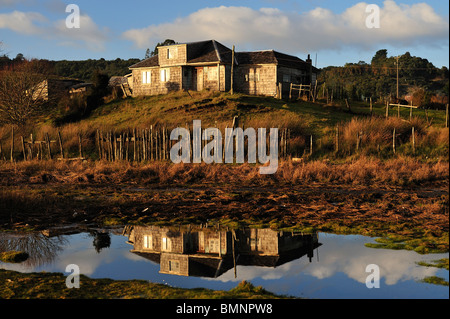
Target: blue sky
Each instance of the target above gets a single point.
(334, 31)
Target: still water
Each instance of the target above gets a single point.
(303, 265)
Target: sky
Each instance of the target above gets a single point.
(333, 32)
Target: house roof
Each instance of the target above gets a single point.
(147, 63)
(208, 51)
(272, 56)
(211, 51)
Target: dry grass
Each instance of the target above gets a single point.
(365, 170)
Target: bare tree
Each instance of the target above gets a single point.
(23, 91)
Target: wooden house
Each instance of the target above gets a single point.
(209, 252)
(208, 65)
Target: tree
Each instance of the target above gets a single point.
(147, 53)
(23, 87)
(166, 42)
(379, 58)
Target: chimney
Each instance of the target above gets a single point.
(309, 61)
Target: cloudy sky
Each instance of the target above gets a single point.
(335, 32)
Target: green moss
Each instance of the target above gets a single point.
(435, 280)
(13, 256)
(441, 263)
(52, 286)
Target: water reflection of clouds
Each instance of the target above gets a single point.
(340, 261)
(82, 253)
(350, 257)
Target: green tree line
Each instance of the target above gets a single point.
(83, 69)
(378, 79)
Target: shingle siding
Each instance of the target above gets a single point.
(207, 65)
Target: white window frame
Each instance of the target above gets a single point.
(165, 75)
(148, 242)
(166, 244)
(146, 77)
(171, 53)
(252, 76)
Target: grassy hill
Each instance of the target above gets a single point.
(360, 132)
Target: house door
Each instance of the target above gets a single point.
(199, 78)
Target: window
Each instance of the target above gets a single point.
(146, 77)
(211, 73)
(171, 53)
(213, 245)
(165, 75)
(286, 78)
(165, 244)
(252, 76)
(174, 265)
(148, 242)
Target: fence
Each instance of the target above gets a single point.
(138, 145)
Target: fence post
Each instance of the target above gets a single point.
(446, 115)
(60, 145)
(32, 146)
(337, 138)
(134, 144)
(393, 141)
(12, 144)
(80, 149)
(357, 141)
(311, 146)
(49, 149)
(99, 145)
(387, 109)
(23, 149)
(144, 144)
(151, 142)
(413, 140)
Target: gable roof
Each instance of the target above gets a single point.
(147, 63)
(211, 51)
(208, 51)
(272, 57)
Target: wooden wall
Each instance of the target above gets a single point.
(179, 55)
(156, 86)
(256, 79)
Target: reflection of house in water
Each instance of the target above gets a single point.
(210, 252)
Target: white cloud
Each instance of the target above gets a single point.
(89, 35)
(28, 23)
(301, 32)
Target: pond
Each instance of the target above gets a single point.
(317, 265)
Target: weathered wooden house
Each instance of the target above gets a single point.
(208, 65)
(209, 252)
(55, 88)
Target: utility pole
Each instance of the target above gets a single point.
(397, 76)
(232, 72)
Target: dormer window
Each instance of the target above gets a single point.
(171, 53)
